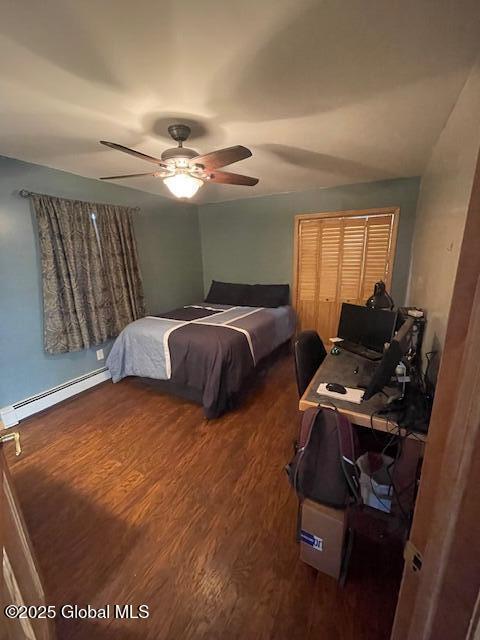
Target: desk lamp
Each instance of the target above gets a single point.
(380, 299)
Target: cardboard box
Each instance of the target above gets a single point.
(322, 537)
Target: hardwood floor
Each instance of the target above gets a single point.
(131, 496)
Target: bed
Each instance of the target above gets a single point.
(206, 351)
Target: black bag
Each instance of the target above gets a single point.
(323, 468)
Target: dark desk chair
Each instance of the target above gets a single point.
(309, 353)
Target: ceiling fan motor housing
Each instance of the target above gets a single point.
(177, 153)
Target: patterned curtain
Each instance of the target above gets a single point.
(92, 286)
(120, 261)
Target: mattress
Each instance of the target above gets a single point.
(209, 348)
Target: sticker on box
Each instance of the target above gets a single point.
(311, 540)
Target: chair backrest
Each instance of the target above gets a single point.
(309, 353)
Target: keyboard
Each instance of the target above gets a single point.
(360, 350)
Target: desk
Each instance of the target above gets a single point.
(340, 369)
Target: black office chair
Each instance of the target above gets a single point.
(309, 353)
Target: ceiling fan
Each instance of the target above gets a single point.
(183, 170)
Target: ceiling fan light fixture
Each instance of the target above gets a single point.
(183, 185)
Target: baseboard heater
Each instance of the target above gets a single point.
(12, 414)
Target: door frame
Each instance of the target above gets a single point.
(21, 575)
(353, 213)
(441, 600)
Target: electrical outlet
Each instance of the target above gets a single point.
(100, 355)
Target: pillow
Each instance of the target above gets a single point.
(226, 293)
(249, 295)
(267, 295)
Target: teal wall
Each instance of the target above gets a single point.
(251, 240)
(170, 258)
(248, 240)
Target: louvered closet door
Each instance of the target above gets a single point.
(308, 266)
(339, 259)
(330, 242)
(378, 253)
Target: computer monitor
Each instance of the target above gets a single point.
(404, 334)
(384, 371)
(392, 356)
(371, 328)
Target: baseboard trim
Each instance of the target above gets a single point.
(13, 414)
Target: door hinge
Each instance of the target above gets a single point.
(12, 436)
(412, 556)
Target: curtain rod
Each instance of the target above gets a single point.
(25, 193)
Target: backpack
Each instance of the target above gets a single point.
(323, 468)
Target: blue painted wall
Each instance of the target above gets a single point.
(251, 240)
(170, 259)
(181, 247)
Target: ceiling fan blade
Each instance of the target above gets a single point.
(132, 152)
(225, 177)
(222, 157)
(130, 175)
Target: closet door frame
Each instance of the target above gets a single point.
(354, 213)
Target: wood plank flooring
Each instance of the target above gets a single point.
(131, 496)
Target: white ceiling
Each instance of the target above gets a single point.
(325, 93)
